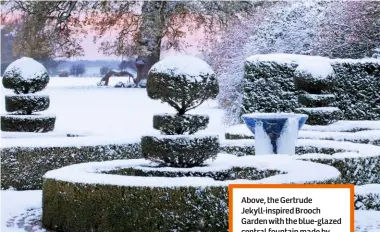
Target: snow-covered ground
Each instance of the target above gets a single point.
(84, 108)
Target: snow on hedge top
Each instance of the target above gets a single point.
(28, 68)
(295, 171)
(189, 66)
(280, 58)
(318, 67)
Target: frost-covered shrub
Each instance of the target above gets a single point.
(179, 151)
(26, 104)
(277, 27)
(25, 75)
(184, 82)
(173, 124)
(320, 28)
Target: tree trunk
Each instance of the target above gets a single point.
(143, 65)
(151, 31)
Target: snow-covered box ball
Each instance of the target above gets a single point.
(25, 75)
(182, 81)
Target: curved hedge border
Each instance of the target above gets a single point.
(357, 163)
(25, 161)
(79, 198)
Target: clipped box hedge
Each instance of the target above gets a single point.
(82, 208)
(268, 85)
(359, 169)
(76, 200)
(22, 167)
(74, 207)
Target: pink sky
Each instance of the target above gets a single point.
(92, 53)
(91, 50)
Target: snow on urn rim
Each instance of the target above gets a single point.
(274, 115)
(28, 68)
(183, 65)
(297, 171)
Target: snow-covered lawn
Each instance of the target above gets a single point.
(82, 107)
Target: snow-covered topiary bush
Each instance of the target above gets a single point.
(25, 75)
(183, 82)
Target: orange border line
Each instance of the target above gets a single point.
(235, 186)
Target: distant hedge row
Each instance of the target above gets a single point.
(269, 87)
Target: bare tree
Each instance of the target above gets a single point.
(143, 28)
(349, 29)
